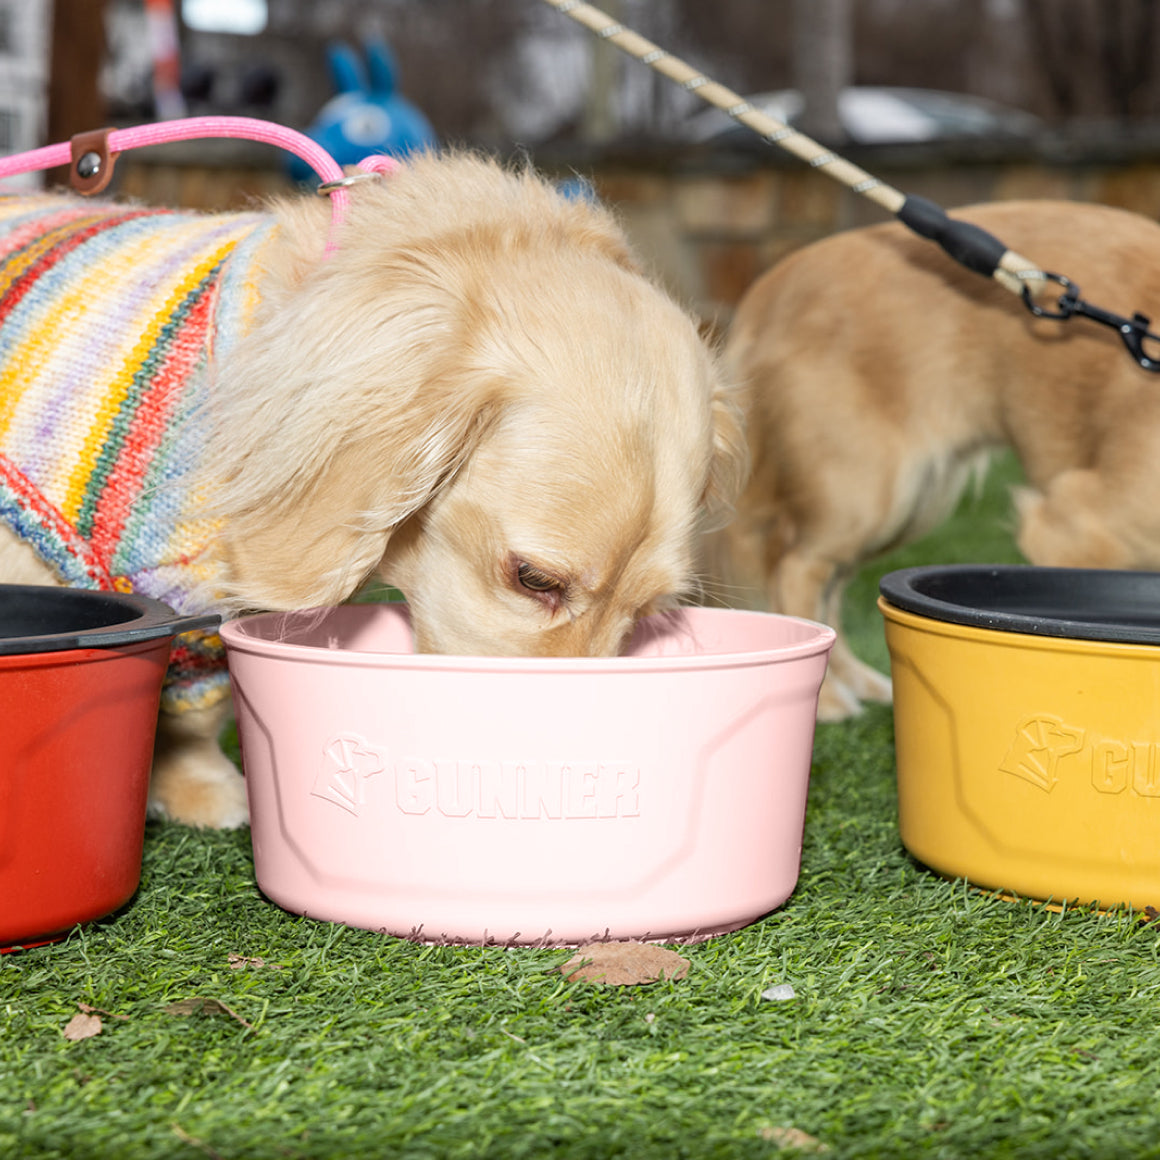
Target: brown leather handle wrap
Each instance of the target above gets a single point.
(92, 163)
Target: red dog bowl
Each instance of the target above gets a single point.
(80, 686)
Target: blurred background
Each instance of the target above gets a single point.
(959, 100)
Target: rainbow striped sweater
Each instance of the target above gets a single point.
(110, 317)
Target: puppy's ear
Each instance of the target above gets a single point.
(336, 418)
(308, 547)
(315, 542)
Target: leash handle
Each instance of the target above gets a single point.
(118, 141)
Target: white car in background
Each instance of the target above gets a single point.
(874, 115)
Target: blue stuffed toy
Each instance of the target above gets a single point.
(367, 115)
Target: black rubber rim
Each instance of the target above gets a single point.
(37, 620)
(1079, 603)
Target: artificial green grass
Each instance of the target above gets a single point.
(930, 1019)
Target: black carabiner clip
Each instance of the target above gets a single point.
(1132, 331)
(1067, 300)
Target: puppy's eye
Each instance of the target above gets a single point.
(535, 581)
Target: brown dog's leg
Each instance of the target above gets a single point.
(810, 586)
(758, 565)
(1072, 524)
(193, 780)
(861, 679)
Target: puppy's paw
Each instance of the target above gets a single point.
(836, 702)
(869, 684)
(198, 785)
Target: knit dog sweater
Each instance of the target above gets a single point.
(110, 317)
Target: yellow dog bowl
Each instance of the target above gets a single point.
(1027, 727)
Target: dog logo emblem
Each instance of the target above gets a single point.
(350, 762)
(1040, 744)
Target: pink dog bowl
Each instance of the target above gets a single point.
(535, 800)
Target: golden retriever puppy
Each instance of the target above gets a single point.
(479, 398)
(877, 374)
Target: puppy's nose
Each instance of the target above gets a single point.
(590, 635)
(614, 636)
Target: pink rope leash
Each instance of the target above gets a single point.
(201, 128)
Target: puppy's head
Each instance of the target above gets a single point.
(483, 399)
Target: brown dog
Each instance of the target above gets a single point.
(877, 375)
(479, 397)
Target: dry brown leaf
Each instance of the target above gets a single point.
(200, 1006)
(82, 1026)
(194, 1142)
(795, 1138)
(101, 1011)
(623, 964)
(238, 962)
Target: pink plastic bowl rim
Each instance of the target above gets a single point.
(272, 634)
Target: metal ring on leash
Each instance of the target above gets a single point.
(1065, 307)
(328, 187)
